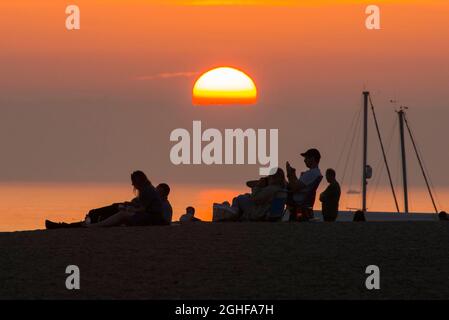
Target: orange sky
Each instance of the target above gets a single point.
(149, 40)
(81, 101)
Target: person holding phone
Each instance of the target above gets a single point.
(301, 186)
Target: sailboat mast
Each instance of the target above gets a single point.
(420, 164)
(404, 164)
(365, 147)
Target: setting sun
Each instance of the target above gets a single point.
(224, 86)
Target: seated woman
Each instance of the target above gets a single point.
(145, 209)
(256, 206)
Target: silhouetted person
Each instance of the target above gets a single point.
(144, 209)
(254, 206)
(359, 216)
(164, 190)
(302, 189)
(189, 216)
(330, 197)
(443, 216)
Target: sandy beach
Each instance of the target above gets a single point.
(230, 261)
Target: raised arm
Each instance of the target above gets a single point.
(294, 183)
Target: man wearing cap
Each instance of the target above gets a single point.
(307, 182)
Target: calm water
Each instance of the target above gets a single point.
(25, 206)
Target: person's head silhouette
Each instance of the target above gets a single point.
(330, 175)
(164, 190)
(190, 211)
(139, 180)
(312, 158)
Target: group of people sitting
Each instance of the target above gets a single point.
(271, 195)
(296, 193)
(150, 207)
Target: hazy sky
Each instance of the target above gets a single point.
(96, 103)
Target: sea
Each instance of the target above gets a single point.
(25, 206)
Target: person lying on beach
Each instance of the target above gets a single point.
(148, 199)
(256, 206)
(146, 210)
(189, 216)
(262, 196)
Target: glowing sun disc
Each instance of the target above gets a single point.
(224, 86)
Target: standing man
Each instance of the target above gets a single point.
(330, 197)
